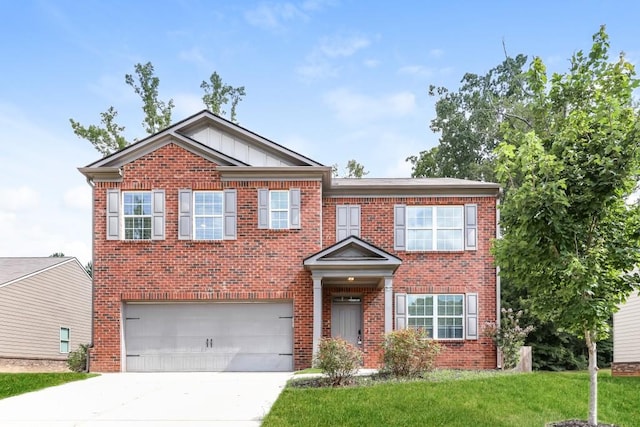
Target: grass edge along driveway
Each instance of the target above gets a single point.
(531, 399)
(14, 384)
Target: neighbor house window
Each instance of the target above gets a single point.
(64, 340)
(137, 215)
(435, 228)
(278, 209)
(441, 316)
(208, 215)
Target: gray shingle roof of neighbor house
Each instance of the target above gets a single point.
(12, 268)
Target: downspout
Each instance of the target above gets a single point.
(498, 289)
(93, 265)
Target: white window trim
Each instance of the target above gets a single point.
(434, 228)
(125, 216)
(68, 340)
(272, 209)
(435, 315)
(195, 216)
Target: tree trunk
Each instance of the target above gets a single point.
(593, 377)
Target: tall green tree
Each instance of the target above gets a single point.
(157, 113)
(469, 122)
(570, 238)
(352, 170)
(217, 94)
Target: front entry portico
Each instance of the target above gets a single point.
(349, 264)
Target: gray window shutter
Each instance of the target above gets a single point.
(230, 215)
(157, 215)
(263, 208)
(471, 227)
(354, 220)
(399, 227)
(401, 311)
(185, 221)
(342, 222)
(294, 208)
(113, 214)
(472, 316)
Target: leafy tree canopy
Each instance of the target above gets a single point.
(352, 170)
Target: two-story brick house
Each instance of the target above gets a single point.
(217, 249)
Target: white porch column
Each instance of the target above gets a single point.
(317, 312)
(388, 304)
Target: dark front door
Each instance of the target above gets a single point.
(346, 320)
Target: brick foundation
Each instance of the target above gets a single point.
(32, 365)
(625, 369)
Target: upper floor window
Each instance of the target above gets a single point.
(435, 228)
(207, 215)
(136, 210)
(135, 215)
(279, 209)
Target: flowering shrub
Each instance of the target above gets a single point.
(77, 360)
(509, 337)
(338, 359)
(407, 353)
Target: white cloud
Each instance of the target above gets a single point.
(436, 53)
(193, 55)
(416, 70)
(321, 62)
(273, 16)
(340, 46)
(371, 63)
(354, 107)
(78, 197)
(18, 199)
(316, 70)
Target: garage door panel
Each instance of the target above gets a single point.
(209, 337)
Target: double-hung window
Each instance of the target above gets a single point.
(279, 209)
(441, 316)
(135, 215)
(136, 209)
(435, 228)
(208, 215)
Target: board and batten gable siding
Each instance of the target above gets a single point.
(626, 331)
(33, 309)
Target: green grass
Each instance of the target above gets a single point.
(13, 384)
(309, 371)
(503, 400)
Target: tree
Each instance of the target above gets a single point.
(108, 136)
(57, 255)
(469, 122)
(89, 268)
(352, 170)
(157, 113)
(570, 239)
(217, 94)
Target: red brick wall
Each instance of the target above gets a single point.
(267, 264)
(429, 272)
(260, 264)
(625, 369)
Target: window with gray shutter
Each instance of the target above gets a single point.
(347, 221)
(399, 228)
(157, 215)
(471, 227)
(184, 214)
(113, 214)
(472, 316)
(230, 214)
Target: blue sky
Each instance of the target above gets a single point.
(334, 80)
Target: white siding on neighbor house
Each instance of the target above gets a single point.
(626, 331)
(235, 147)
(33, 309)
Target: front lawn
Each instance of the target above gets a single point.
(503, 400)
(13, 384)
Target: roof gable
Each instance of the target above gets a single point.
(352, 251)
(18, 268)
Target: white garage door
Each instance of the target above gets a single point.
(209, 337)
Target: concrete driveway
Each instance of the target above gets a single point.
(150, 399)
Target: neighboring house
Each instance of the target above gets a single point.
(626, 338)
(217, 249)
(45, 310)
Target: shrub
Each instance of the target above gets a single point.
(77, 360)
(509, 337)
(338, 359)
(408, 353)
